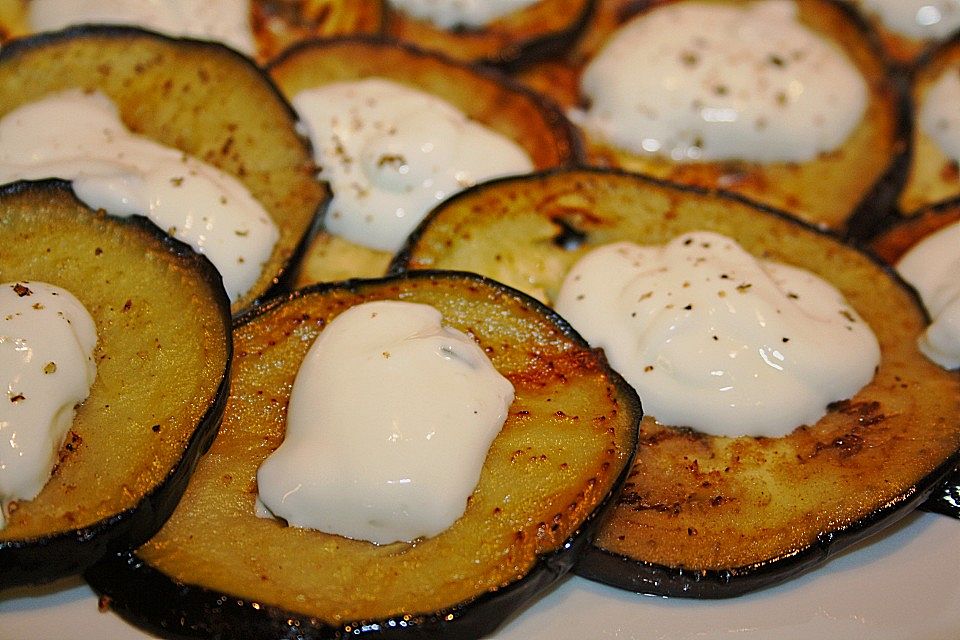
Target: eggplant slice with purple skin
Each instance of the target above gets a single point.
(200, 97)
(218, 570)
(163, 358)
(485, 96)
(705, 516)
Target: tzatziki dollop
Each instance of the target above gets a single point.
(389, 422)
(47, 338)
(921, 19)
(696, 81)
(939, 115)
(448, 14)
(931, 266)
(79, 137)
(717, 340)
(226, 21)
(391, 153)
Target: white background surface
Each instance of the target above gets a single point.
(902, 584)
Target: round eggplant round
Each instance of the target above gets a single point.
(708, 516)
(163, 354)
(860, 177)
(202, 98)
(486, 97)
(545, 29)
(218, 570)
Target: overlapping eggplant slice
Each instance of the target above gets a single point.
(274, 24)
(900, 236)
(931, 176)
(218, 570)
(547, 28)
(487, 97)
(706, 516)
(901, 47)
(202, 98)
(163, 354)
(851, 181)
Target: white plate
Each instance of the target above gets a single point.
(904, 583)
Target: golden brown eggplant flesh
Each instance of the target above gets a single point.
(487, 97)
(217, 570)
(546, 29)
(706, 516)
(202, 98)
(163, 354)
(860, 176)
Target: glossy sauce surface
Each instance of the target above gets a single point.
(390, 419)
(47, 339)
(79, 137)
(916, 18)
(448, 14)
(714, 339)
(705, 82)
(391, 153)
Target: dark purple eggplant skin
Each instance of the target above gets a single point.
(159, 604)
(600, 565)
(35, 561)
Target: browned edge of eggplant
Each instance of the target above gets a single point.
(939, 491)
(43, 559)
(282, 278)
(131, 587)
(517, 54)
(626, 573)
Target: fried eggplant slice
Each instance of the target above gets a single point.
(545, 29)
(274, 24)
(705, 516)
(218, 570)
(897, 239)
(202, 98)
(486, 97)
(855, 175)
(163, 354)
(932, 175)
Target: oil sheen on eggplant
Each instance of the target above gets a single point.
(489, 98)
(163, 354)
(707, 516)
(217, 570)
(202, 98)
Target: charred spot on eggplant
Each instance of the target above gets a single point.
(702, 515)
(546, 29)
(202, 98)
(853, 175)
(163, 353)
(486, 97)
(903, 233)
(566, 445)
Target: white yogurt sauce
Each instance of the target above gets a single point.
(448, 14)
(939, 115)
(391, 153)
(226, 21)
(79, 137)
(931, 266)
(47, 339)
(714, 339)
(389, 422)
(694, 81)
(921, 19)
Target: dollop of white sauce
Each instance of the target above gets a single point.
(226, 21)
(391, 153)
(939, 115)
(717, 340)
(389, 422)
(931, 266)
(922, 19)
(448, 14)
(47, 338)
(704, 82)
(79, 137)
